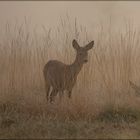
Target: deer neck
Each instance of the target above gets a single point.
(76, 67)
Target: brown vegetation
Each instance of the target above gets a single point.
(103, 104)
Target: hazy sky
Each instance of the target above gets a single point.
(87, 12)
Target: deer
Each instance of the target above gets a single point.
(62, 77)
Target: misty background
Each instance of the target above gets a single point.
(88, 13)
(105, 100)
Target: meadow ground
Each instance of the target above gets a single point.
(103, 104)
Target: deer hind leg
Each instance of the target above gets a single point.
(53, 94)
(47, 88)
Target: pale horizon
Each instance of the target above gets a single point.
(87, 13)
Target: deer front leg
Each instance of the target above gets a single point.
(69, 89)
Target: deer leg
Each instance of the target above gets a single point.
(47, 87)
(53, 94)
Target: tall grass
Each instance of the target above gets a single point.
(102, 84)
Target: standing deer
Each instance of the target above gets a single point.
(63, 77)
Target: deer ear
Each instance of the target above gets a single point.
(75, 44)
(89, 46)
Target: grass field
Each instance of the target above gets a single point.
(103, 104)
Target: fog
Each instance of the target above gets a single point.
(88, 13)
